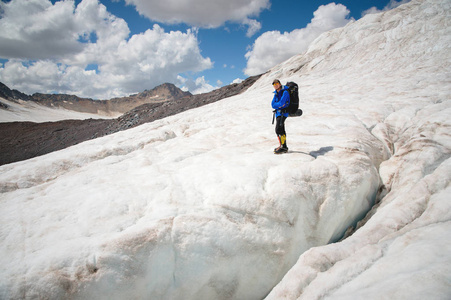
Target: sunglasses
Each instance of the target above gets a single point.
(275, 83)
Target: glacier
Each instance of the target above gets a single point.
(29, 111)
(197, 206)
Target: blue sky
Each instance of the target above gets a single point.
(106, 48)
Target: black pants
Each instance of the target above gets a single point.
(280, 125)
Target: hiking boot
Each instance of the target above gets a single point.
(281, 149)
(283, 145)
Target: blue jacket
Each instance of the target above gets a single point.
(280, 101)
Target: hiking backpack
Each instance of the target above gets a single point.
(292, 108)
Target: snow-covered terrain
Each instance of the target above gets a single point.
(29, 111)
(197, 206)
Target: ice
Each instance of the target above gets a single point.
(197, 206)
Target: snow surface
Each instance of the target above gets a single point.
(196, 205)
(28, 111)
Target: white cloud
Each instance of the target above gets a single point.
(197, 86)
(36, 29)
(200, 85)
(88, 35)
(392, 4)
(201, 13)
(254, 27)
(273, 47)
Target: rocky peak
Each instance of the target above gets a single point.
(165, 90)
(8, 94)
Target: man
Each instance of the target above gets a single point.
(280, 101)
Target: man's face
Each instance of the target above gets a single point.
(276, 85)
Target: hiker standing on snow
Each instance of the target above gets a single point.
(280, 101)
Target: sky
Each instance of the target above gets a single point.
(102, 49)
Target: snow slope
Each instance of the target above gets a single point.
(29, 111)
(196, 206)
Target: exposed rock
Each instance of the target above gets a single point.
(3, 105)
(13, 95)
(24, 140)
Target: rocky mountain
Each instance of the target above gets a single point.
(112, 107)
(7, 93)
(24, 140)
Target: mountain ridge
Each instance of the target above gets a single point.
(112, 107)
